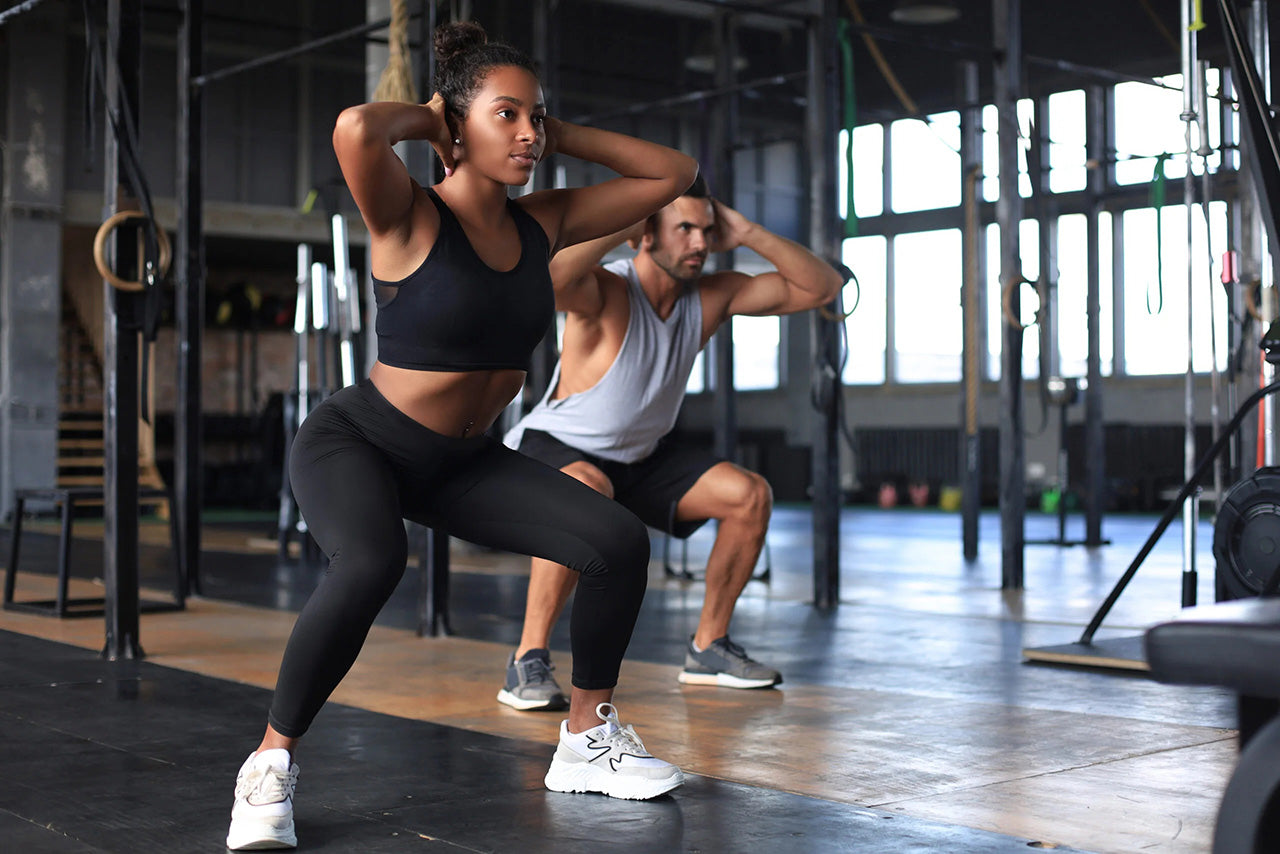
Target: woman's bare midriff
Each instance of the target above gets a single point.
(462, 403)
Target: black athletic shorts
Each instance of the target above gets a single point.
(650, 488)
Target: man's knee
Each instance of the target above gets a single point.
(591, 476)
(753, 502)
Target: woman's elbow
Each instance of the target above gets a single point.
(686, 172)
(351, 126)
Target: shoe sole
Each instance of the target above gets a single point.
(573, 777)
(725, 680)
(263, 845)
(554, 704)
(265, 839)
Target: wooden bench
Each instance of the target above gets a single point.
(66, 498)
(1234, 645)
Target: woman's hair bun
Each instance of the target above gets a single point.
(458, 38)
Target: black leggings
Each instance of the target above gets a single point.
(359, 466)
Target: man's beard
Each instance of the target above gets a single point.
(678, 272)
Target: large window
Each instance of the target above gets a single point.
(925, 163)
(866, 327)
(868, 171)
(991, 149)
(1156, 296)
(698, 376)
(908, 327)
(755, 352)
(927, 325)
(1029, 249)
(1073, 294)
(1067, 160)
(1149, 123)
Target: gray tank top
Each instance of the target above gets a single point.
(636, 402)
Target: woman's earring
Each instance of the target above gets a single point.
(457, 140)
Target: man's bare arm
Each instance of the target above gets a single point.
(573, 271)
(801, 280)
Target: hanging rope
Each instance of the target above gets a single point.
(889, 77)
(396, 83)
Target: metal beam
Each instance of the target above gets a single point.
(288, 53)
(689, 97)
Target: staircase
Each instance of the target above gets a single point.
(81, 447)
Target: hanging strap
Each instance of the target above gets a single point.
(126, 134)
(1156, 198)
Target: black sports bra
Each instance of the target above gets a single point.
(456, 313)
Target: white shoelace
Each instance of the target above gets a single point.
(623, 737)
(271, 785)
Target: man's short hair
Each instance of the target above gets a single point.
(698, 189)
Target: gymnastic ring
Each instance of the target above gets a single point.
(1250, 301)
(100, 246)
(1006, 298)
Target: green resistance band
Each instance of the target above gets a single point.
(1156, 198)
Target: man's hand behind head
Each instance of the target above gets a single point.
(731, 228)
(635, 233)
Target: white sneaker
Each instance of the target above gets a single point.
(263, 813)
(611, 759)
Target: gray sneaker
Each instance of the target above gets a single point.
(727, 665)
(530, 684)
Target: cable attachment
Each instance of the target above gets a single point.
(840, 315)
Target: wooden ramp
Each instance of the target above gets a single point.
(1109, 654)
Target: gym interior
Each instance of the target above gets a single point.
(1025, 512)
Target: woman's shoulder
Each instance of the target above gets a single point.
(546, 207)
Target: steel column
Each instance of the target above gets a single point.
(31, 213)
(820, 133)
(1097, 126)
(189, 293)
(1007, 20)
(546, 47)
(974, 350)
(122, 319)
(723, 137)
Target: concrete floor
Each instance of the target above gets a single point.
(911, 700)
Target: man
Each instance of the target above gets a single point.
(632, 331)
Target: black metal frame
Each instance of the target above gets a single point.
(122, 322)
(1175, 505)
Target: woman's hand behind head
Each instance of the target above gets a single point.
(441, 138)
(551, 127)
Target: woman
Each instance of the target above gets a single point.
(464, 295)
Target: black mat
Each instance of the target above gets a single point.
(134, 757)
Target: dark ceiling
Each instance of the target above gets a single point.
(623, 49)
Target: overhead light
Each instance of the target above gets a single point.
(925, 11)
